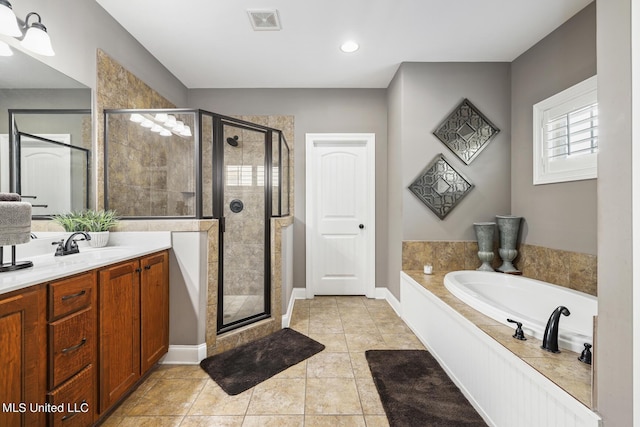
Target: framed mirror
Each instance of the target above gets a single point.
(45, 136)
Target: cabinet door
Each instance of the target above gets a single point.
(22, 358)
(154, 305)
(119, 326)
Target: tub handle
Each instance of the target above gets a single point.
(519, 335)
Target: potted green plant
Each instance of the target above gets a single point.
(96, 223)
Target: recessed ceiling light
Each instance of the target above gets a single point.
(349, 46)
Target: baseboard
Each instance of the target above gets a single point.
(185, 354)
(385, 294)
(296, 293)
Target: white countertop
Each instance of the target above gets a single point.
(47, 267)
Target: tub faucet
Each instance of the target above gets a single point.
(550, 339)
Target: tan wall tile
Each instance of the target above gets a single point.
(568, 269)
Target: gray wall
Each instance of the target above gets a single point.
(40, 99)
(614, 349)
(315, 110)
(562, 215)
(421, 96)
(395, 97)
(78, 27)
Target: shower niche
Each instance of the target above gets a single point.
(194, 164)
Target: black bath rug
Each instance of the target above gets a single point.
(415, 390)
(243, 367)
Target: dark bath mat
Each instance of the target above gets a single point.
(415, 390)
(243, 367)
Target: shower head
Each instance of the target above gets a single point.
(233, 141)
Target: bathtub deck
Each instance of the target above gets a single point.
(563, 368)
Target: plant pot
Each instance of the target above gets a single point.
(99, 239)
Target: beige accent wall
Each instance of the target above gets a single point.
(572, 270)
(116, 87)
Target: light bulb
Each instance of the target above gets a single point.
(8, 21)
(37, 40)
(170, 122)
(186, 131)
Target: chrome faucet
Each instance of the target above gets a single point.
(70, 246)
(550, 339)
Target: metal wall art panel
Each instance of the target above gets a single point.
(440, 187)
(466, 131)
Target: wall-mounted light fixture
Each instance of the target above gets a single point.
(164, 124)
(34, 38)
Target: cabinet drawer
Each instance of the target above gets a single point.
(71, 345)
(69, 295)
(75, 398)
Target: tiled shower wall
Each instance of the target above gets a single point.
(572, 270)
(159, 177)
(244, 237)
(119, 88)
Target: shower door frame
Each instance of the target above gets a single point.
(14, 147)
(217, 191)
(218, 212)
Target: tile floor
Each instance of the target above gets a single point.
(332, 388)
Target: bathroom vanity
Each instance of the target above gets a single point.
(73, 346)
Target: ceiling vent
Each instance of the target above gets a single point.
(264, 20)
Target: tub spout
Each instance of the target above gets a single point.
(550, 339)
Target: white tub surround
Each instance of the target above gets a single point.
(509, 382)
(47, 267)
(505, 296)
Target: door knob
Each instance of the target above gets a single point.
(361, 226)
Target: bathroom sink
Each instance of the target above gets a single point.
(106, 253)
(86, 256)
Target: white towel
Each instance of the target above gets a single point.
(15, 223)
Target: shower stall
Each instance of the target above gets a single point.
(184, 163)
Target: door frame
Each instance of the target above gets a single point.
(368, 140)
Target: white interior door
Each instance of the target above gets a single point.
(46, 174)
(340, 202)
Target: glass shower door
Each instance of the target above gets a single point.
(244, 270)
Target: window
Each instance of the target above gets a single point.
(238, 175)
(565, 135)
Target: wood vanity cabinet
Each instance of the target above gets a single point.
(72, 349)
(154, 308)
(22, 356)
(133, 323)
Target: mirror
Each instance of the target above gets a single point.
(44, 116)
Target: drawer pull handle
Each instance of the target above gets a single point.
(75, 347)
(79, 294)
(147, 267)
(69, 416)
